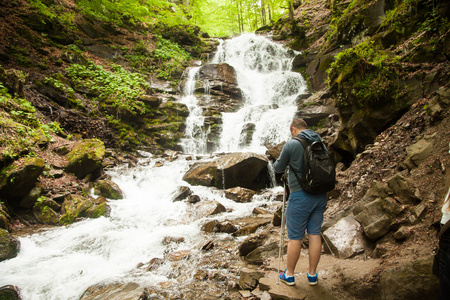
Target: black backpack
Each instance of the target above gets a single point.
(318, 171)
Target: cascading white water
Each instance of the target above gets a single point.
(61, 263)
(195, 135)
(269, 89)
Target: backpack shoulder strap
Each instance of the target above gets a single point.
(303, 141)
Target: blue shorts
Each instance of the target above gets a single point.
(304, 211)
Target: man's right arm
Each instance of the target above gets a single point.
(283, 160)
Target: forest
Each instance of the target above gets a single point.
(93, 91)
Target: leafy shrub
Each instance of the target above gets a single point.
(116, 88)
(169, 56)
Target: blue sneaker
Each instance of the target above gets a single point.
(312, 279)
(287, 280)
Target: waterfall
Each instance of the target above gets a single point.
(62, 262)
(195, 134)
(269, 89)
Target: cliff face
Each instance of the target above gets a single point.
(374, 58)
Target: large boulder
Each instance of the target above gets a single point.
(248, 170)
(413, 280)
(404, 188)
(377, 216)
(19, 178)
(345, 238)
(9, 246)
(85, 158)
(45, 213)
(221, 80)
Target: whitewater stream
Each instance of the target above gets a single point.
(62, 262)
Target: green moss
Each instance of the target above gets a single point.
(364, 77)
(99, 210)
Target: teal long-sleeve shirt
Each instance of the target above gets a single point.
(292, 154)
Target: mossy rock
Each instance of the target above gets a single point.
(85, 158)
(101, 210)
(108, 189)
(9, 292)
(45, 214)
(9, 246)
(19, 178)
(75, 206)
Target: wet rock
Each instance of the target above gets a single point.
(178, 255)
(259, 211)
(274, 151)
(377, 216)
(9, 245)
(170, 239)
(129, 290)
(249, 278)
(209, 208)
(9, 292)
(216, 226)
(100, 210)
(193, 199)
(181, 193)
(220, 78)
(345, 238)
(208, 246)
(76, 206)
(240, 194)
(248, 170)
(211, 226)
(249, 229)
(419, 152)
(108, 189)
(413, 280)
(19, 178)
(154, 264)
(85, 158)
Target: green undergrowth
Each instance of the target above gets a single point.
(115, 88)
(167, 60)
(21, 129)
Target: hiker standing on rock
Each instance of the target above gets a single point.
(304, 210)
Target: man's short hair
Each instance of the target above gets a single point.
(299, 123)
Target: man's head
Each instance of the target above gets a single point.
(297, 125)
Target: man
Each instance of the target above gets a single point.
(304, 210)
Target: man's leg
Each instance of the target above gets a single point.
(315, 248)
(293, 253)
